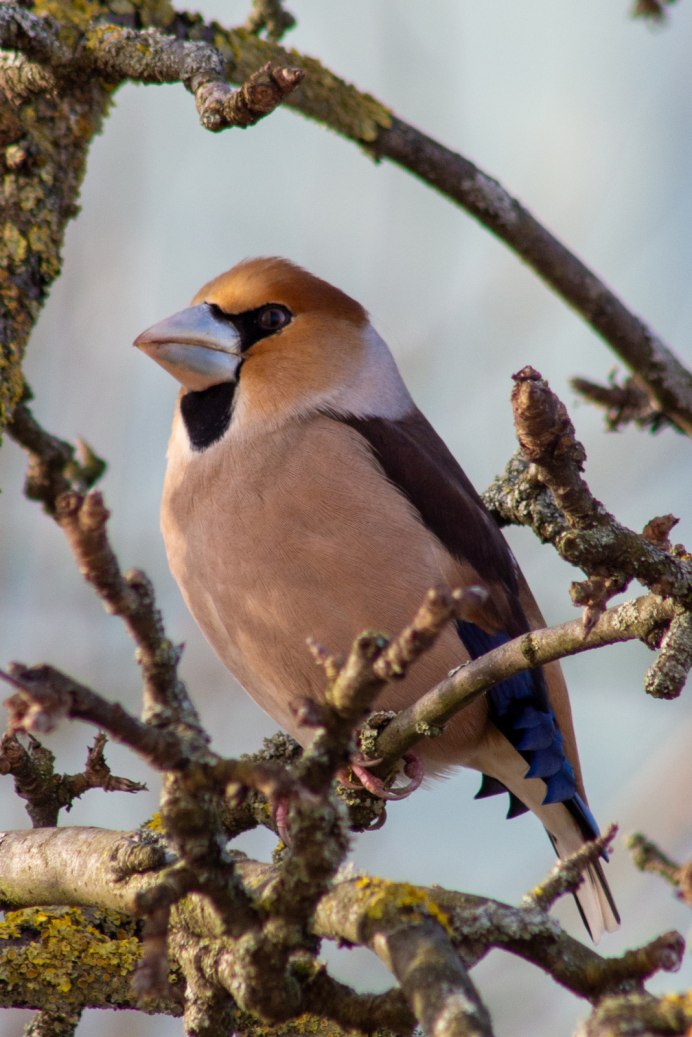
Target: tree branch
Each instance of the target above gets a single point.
(624, 404)
(545, 489)
(130, 596)
(653, 10)
(634, 619)
(270, 15)
(116, 53)
(47, 793)
(567, 873)
(45, 695)
(665, 379)
(648, 857)
(40, 867)
(53, 468)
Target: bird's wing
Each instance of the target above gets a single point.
(418, 462)
(530, 711)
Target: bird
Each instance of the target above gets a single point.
(307, 496)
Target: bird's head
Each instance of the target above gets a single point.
(273, 342)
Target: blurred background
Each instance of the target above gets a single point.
(584, 115)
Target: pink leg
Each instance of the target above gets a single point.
(280, 812)
(413, 769)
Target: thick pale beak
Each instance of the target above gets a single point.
(196, 346)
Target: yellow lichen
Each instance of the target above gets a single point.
(77, 12)
(15, 243)
(30, 196)
(61, 951)
(155, 823)
(384, 898)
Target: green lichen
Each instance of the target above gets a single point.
(42, 160)
(321, 95)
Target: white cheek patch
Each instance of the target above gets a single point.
(376, 389)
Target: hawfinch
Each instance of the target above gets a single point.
(307, 496)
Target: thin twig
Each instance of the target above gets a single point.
(45, 695)
(623, 404)
(131, 596)
(45, 792)
(53, 468)
(634, 619)
(117, 53)
(546, 490)
(220, 107)
(568, 873)
(272, 16)
(649, 857)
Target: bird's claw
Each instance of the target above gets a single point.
(413, 769)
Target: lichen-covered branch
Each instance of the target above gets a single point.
(270, 15)
(545, 488)
(115, 53)
(392, 919)
(56, 84)
(42, 161)
(47, 793)
(67, 959)
(649, 857)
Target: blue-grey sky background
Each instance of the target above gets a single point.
(584, 115)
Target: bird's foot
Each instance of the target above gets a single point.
(280, 812)
(413, 769)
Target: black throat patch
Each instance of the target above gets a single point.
(207, 414)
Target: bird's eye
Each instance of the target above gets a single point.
(271, 318)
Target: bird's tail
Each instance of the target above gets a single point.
(571, 824)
